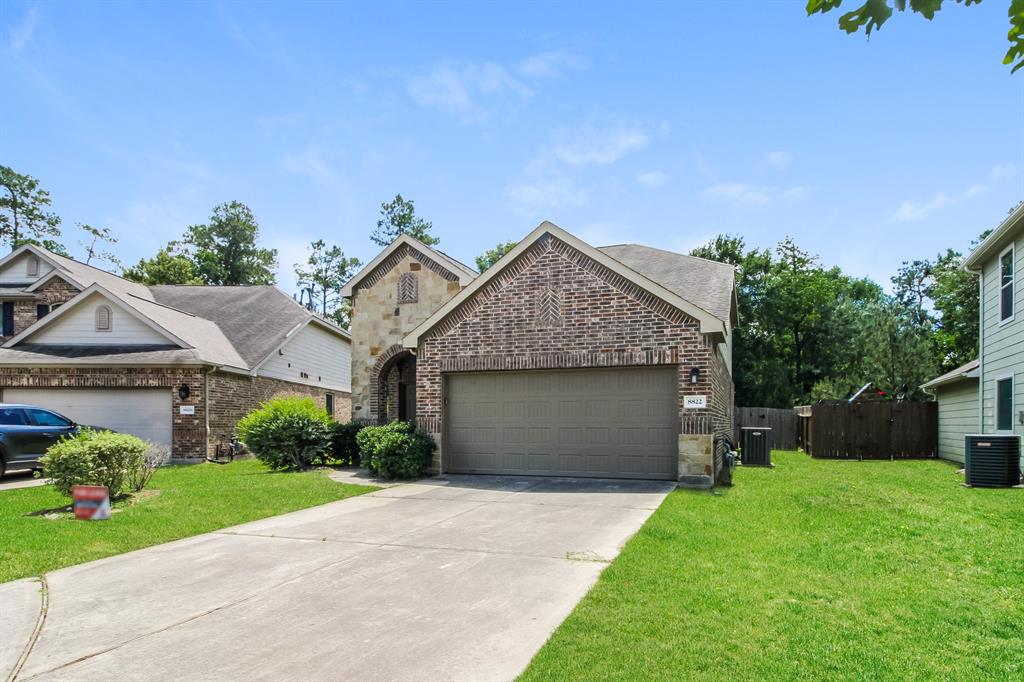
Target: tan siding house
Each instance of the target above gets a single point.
(957, 395)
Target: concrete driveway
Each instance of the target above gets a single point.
(461, 578)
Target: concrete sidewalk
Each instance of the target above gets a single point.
(457, 579)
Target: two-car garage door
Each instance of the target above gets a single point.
(145, 413)
(615, 423)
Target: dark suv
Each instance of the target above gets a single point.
(26, 431)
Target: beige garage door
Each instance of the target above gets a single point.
(616, 423)
(145, 413)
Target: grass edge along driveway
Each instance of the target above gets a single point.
(181, 501)
(815, 569)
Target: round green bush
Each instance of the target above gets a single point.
(290, 432)
(395, 450)
(93, 458)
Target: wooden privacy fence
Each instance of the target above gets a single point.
(874, 430)
(782, 422)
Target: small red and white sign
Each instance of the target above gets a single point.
(91, 502)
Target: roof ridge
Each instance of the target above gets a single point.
(674, 253)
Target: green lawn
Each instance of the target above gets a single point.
(813, 570)
(181, 501)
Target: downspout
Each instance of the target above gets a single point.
(206, 407)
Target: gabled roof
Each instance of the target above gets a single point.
(1007, 230)
(179, 328)
(707, 283)
(235, 327)
(709, 323)
(966, 371)
(256, 319)
(464, 273)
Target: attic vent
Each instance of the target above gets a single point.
(549, 308)
(103, 318)
(32, 266)
(408, 288)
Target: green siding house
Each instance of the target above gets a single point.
(957, 395)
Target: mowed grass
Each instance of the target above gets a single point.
(181, 501)
(813, 570)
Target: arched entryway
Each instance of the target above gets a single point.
(393, 386)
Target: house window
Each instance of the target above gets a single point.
(1004, 404)
(32, 265)
(42, 310)
(408, 288)
(329, 403)
(103, 318)
(1006, 285)
(8, 318)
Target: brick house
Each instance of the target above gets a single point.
(172, 364)
(561, 359)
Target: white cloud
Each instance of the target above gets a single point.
(547, 192)
(653, 178)
(459, 88)
(910, 211)
(778, 161)
(309, 163)
(550, 64)
(589, 146)
(21, 35)
(745, 194)
(468, 89)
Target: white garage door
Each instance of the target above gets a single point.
(145, 413)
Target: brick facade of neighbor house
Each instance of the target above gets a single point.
(232, 396)
(556, 308)
(188, 432)
(381, 318)
(57, 290)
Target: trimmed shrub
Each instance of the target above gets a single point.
(344, 448)
(395, 450)
(289, 432)
(154, 457)
(93, 458)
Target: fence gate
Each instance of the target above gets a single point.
(874, 430)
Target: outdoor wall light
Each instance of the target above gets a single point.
(695, 375)
(184, 391)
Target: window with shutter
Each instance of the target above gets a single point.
(103, 318)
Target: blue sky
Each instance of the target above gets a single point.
(662, 124)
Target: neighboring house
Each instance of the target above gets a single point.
(956, 392)
(994, 383)
(173, 364)
(999, 261)
(560, 359)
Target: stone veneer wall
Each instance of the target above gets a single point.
(379, 321)
(232, 396)
(57, 290)
(188, 432)
(556, 308)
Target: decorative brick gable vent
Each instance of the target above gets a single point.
(549, 307)
(408, 288)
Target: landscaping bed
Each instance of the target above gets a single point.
(180, 501)
(814, 570)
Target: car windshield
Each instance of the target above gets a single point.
(12, 416)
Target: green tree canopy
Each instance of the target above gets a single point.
(168, 266)
(95, 238)
(322, 277)
(24, 212)
(398, 217)
(492, 256)
(225, 251)
(873, 13)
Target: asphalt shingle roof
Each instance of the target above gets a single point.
(705, 283)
